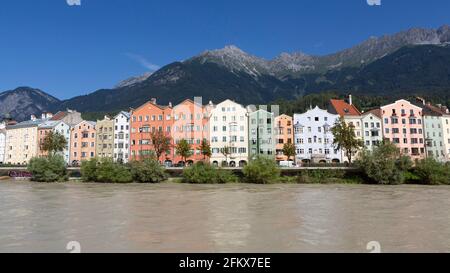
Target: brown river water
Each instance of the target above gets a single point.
(223, 218)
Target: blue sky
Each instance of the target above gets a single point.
(73, 50)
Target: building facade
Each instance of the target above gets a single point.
(284, 134)
(69, 117)
(191, 123)
(372, 129)
(229, 134)
(351, 116)
(122, 137)
(436, 128)
(446, 137)
(22, 142)
(104, 141)
(403, 126)
(57, 127)
(82, 142)
(261, 130)
(314, 138)
(145, 120)
(2, 142)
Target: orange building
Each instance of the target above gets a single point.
(191, 122)
(146, 119)
(82, 142)
(284, 130)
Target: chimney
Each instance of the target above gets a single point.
(46, 115)
(153, 100)
(33, 118)
(170, 105)
(350, 99)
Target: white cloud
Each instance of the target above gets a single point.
(143, 61)
(374, 2)
(73, 2)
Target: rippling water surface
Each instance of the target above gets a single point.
(231, 218)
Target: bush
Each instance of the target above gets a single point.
(148, 171)
(203, 173)
(89, 170)
(432, 172)
(48, 169)
(322, 177)
(384, 165)
(105, 171)
(262, 170)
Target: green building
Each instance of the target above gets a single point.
(261, 134)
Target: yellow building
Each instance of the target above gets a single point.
(22, 142)
(105, 138)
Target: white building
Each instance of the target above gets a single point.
(122, 137)
(313, 137)
(372, 129)
(2, 142)
(63, 129)
(229, 129)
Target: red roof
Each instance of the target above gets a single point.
(342, 108)
(59, 116)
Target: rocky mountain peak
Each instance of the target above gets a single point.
(22, 102)
(134, 80)
(235, 59)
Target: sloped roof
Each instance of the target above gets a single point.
(126, 114)
(58, 116)
(49, 124)
(26, 124)
(375, 112)
(343, 108)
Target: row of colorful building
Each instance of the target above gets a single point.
(418, 128)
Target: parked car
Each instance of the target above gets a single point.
(287, 164)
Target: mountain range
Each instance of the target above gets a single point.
(412, 61)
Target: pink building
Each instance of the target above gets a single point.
(403, 126)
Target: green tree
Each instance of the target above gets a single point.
(345, 139)
(205, 148)
(148, 171)
(48, 169)
(204, 173)
(383, 165)
(53, 143)
(433, 172)
(105, 171)
(161, 143)
(184, 149)
(289, 150)
(262, 170)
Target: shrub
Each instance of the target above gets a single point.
(262, 170)
(432, 172)
(89, 170)
(321, 176)
(48, 169)
(148, 171)
(203, 173)
(105, 171)
(384, 165)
